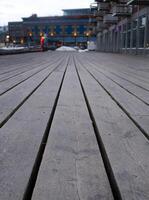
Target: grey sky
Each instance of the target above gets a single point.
(13, 10)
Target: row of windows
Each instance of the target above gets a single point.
(58, 27)
(130, 35)
(53, 34)
(69, 30)
(135, 33)
(36, 30)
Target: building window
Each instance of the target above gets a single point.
(128, 34)
(142, 21)
(135, 22)
(141, 37)
(142, 24)
(124, 40)
(147, 32)
(128, 38)
(124, 36)
(134, 33)
(134, 42)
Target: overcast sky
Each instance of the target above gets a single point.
(13, 10)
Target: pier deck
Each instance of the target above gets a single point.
(74, 126)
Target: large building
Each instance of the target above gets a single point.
(73, 28)
(3, 32)
(122, 25)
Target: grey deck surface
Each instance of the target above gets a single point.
(74, 126)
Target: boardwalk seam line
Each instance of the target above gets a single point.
(123, 87)
(34, 174)
(95, 67)
(27, 70)
(24, 80)
(130, 81)
(26, 98)
(107, 165)
(20, 73)
(15, 69)
(120, 106)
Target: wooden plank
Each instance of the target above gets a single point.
(72, 167)
(126, 147)
(133, 78)
(21, 70)
(11, 100)
(133, 65)
(6, 85)
(13, 70)
(13, 62)
(133, 105)
(9, 62)
(21, 137)
(136, 109)
(141, 91)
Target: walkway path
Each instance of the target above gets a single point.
(74, 126)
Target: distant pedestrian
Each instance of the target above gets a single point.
(42, 40)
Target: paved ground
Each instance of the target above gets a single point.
(74, 126)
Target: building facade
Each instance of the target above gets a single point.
(122, 26)
(72, 28)
(3, 32)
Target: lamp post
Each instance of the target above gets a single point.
(51, 34)
(7, 39)
(29, 38)
(75, 35)
(87, 35)
(51, 40)
(22, 41)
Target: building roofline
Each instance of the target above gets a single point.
(76, 9)
(56, 17)
(15, 22)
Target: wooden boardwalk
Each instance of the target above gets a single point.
(74, 126)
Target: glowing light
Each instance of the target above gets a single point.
(75, 34)
(87, 34)
(22, 41)
(30, 34)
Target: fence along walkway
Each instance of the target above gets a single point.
(74, 126)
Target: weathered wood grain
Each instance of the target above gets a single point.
(126, 147)
(11, 100)
(21, 137)
(116, 88)
(72, 167)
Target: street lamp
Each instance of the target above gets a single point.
(29, 38)
(22, 41)
(7, 40)
(87, 35)
(75, 35)
(7, 37)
